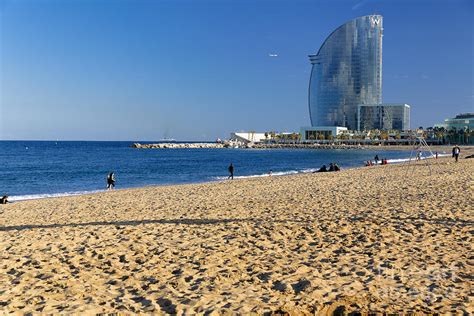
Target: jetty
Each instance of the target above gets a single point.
(179, 145)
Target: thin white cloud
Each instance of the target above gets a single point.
(359, 4)
(272, 55)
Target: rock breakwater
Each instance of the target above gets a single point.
(178, 145)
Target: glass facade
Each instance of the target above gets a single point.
(460, 122)
(383, 117)
(346, 72)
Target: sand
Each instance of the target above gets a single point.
(374, 239)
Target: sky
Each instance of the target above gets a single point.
(200, 69)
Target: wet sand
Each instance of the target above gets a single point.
(376, 239)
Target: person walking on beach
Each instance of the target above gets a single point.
(110, 181)
(231, 171)
(418, 155)
(376, 159)
(456, 152)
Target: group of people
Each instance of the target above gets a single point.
(383, 161)
(332, 167)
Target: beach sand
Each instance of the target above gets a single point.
(376, 239)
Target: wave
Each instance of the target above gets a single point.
(285, 173)
(401, 160)
(276, 173)
(49, 195)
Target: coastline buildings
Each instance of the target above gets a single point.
(247, 137)
(346, 72)
(383, 117)
(459, 122)
(345, 87)
(456, 130)
(321, 132)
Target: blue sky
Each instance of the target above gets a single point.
(197, 70)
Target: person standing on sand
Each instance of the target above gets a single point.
(376, 159)
(111, 181)
(231, 171)
(456, 152)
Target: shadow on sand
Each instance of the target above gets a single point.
(181, 221)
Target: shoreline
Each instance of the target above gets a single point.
(30, 197)
(303, 244)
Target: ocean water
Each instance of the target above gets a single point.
(36, 169)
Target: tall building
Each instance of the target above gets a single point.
(346, 72)
(383, 116)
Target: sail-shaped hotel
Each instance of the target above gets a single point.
(347, 73)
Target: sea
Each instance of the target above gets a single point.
(40, 169)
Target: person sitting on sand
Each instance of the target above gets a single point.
(322, 169)
(336, 167)
(111, 181)
(331, 167)
(4, 200)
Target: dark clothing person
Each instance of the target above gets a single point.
(331, 167)
(376, 159)
(111, 181)
(336, 167)
(436, 155)
(4, 200)
(322, 169)
(231, 172)
(456, 152)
